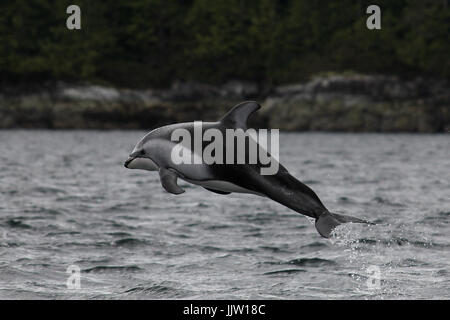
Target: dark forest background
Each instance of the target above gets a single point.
(152, 43)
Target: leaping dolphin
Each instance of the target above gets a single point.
(153, 152)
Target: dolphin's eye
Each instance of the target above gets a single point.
(142, 152)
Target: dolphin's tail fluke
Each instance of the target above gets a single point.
(327, 221)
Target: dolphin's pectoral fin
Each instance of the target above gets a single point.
(217, 191)
(169, 181)
(327, 221)
(238, 116)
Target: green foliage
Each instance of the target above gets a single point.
(141, 43)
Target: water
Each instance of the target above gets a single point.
(65, 199)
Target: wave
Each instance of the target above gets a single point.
(47, 190)
(130, 242)
(13, 223)
(305, 262)
(285, 271)
(108, 269)
(157, 291)
(311, 262)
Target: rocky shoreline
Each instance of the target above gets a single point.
(355, 103)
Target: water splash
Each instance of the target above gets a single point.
(370, 248)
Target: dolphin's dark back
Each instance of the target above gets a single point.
(281, 187)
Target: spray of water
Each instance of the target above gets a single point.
(375, 256)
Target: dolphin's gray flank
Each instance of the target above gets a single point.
(153, 152)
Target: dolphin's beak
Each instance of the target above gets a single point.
(131, 157)
(128, 161)
(136, 161)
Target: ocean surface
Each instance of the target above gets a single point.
(67, 203)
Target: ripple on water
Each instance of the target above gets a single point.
(345, 200)
(47, 190)
(46, 210)
(14, 223)
(305, 262)
(259, 218)
(275, 249)
(131, 242)
(217, 227)
(110, 269)
(384, 201)
(62, 233)
(411, 262)
(158, 291)
(399, 241)
(284, 272)
(315, 245)
(311, 262)
(119, 234)
(441, 218)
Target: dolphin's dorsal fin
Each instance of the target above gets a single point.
(238, 116)
(169, 181)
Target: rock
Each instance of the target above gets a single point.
(331, 103)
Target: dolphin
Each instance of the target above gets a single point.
(153, 153)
